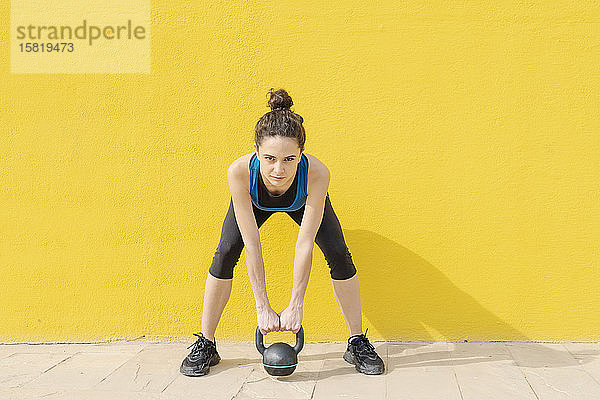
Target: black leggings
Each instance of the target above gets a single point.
(329, 239)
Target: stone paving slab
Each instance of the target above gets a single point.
(340, 380)
(583, 348)
(21, 368)
(65, 394)
(151, 370)
(493, 379)
(67, 348)
(422, 383)
(539, 355)
(590, 364)
(562, 383)
(414, 370)
(81, 371)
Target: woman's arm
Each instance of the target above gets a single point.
(267, 319)
(311, 221)
(291, 317)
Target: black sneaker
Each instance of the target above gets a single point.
(362, 354)
(203, 356)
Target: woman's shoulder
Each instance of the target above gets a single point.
(238, 172)
(316, 167)
(241, 164)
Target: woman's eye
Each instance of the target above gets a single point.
(271, 158)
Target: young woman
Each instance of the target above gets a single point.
(280, 177)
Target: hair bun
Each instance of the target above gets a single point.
(279, 100)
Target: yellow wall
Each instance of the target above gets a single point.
(462, 140)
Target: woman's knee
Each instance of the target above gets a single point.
(340, 262)
(225, 259)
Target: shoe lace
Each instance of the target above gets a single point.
(201, 344)
(362, 344)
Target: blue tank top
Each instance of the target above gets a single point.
(300, 180)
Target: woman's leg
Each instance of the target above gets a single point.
(216, 295)
(347, 295)
(346, 289)
(219, 279)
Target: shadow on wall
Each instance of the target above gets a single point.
(402, 294)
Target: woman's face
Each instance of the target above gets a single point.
(279, 157)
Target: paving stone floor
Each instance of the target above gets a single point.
(414, 370)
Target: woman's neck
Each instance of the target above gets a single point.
(273, 190)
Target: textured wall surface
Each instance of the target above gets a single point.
(462, 138)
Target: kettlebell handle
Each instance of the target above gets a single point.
(260, 346)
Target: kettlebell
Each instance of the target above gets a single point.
(280, 359)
